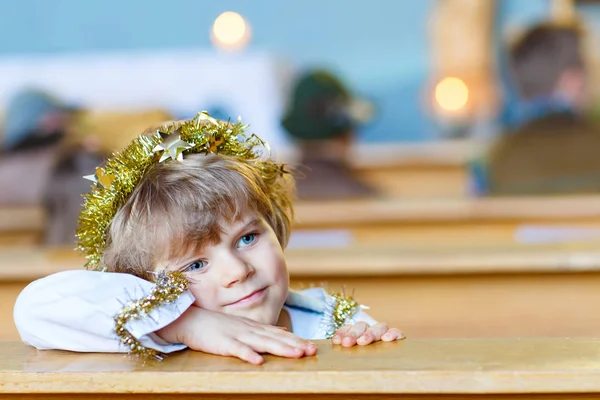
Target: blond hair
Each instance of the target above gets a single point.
(180, 205)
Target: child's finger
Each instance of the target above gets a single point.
(276, 346)
(311, 351)
(340, 334)
(359, 328)
(373, 334)
(366, 338)
(354, 333)
(275, 333)
(392, 334)
(245, 353)
(291, 340)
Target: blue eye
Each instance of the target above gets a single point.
(246, 240)
(196, 266)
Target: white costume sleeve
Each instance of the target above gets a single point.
(75, 310)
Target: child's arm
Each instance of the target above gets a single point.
(75, 310)
(227, 335)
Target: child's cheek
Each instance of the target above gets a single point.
(205, 297)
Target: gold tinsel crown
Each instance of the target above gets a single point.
(117, 179)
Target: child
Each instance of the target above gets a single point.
(194, 209)
(553, 149)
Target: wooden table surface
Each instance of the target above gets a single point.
(564, 367)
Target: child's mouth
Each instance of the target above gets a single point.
(253, 298)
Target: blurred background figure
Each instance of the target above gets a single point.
(40, 162)
(322, 119)
(554, 147)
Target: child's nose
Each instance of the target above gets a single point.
(236, 270)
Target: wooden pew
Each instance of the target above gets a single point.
(417, 170)
(512, 291)
(385, 212)
(505, 292)
(392, 221)
(410, 369)
(21, 225)
(453, 222)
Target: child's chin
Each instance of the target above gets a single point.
(261, 316)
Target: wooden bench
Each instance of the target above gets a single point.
(384, 212)
(511, 291)
(409, 369)
(418, 170)
(452, 222)
(393, 221)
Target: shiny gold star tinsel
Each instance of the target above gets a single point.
(169, 286)
(114, 183)
(340, 311)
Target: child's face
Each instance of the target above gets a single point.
(243, 275)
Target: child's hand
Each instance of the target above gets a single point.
(226, 335)
(362, 334)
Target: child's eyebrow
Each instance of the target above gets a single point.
(250, 224)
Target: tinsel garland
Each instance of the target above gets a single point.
(168, 287)
(340, 310)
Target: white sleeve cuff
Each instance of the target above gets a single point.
(143, 329)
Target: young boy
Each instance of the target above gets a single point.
(188, 226)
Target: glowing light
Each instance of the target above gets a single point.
(451, 94)
(230, 31)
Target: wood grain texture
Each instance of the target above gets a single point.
(438, 211)
(304, 396)
(491, 366)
